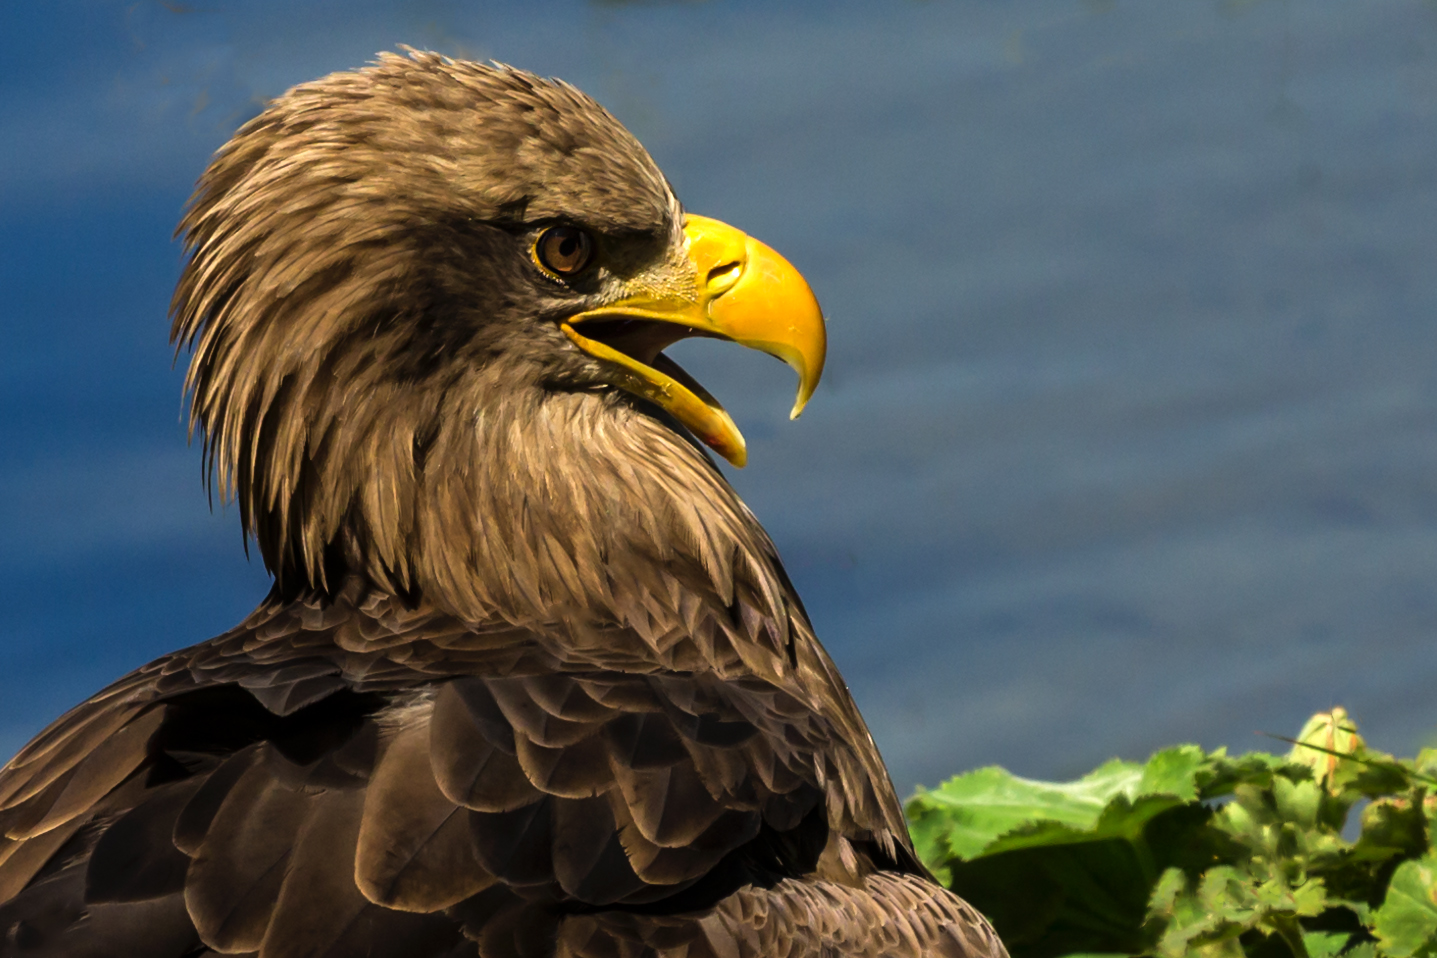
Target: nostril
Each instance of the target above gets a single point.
(722, 277)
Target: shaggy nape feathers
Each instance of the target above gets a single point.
(372, 370)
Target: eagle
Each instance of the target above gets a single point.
(531, 680)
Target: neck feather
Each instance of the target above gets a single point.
(576, 504)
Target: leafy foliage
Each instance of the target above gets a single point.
(1200, 854)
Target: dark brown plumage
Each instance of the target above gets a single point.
(531, 680)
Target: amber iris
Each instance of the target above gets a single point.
(564, 250)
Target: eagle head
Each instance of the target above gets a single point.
(427, 303)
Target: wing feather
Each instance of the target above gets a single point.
(239, 867)
(590, 862)
(316, 901)
(473, 751)
(57, 749)
(107, 765)
(414, 851)
(669, 805)
(136, 858)
(318, 784)
(23, 858)
(527, 715)
(516, 846)
(578, 770)
(193, 822)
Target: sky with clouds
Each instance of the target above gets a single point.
(1129, 430)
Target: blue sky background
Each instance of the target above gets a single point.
(1129, 430)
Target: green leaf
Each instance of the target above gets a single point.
(1121, 819)
(1297, 801)
(1056, 900)
(1170, 884)
(1207, 921)
(1174, 771)
(992, 810)
(1406, 924)
(974, 809)
(1228, 903)
(1324, 944)
(1306, 900)
(1229, 895)
(1222, 774)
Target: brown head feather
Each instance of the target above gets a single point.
(377, 369)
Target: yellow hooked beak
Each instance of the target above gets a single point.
(740, 290)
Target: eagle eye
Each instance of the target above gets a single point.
(564, 250)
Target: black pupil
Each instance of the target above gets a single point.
(565, 249)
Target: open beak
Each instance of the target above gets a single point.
(741, 291)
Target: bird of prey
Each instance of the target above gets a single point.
(531, 680)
